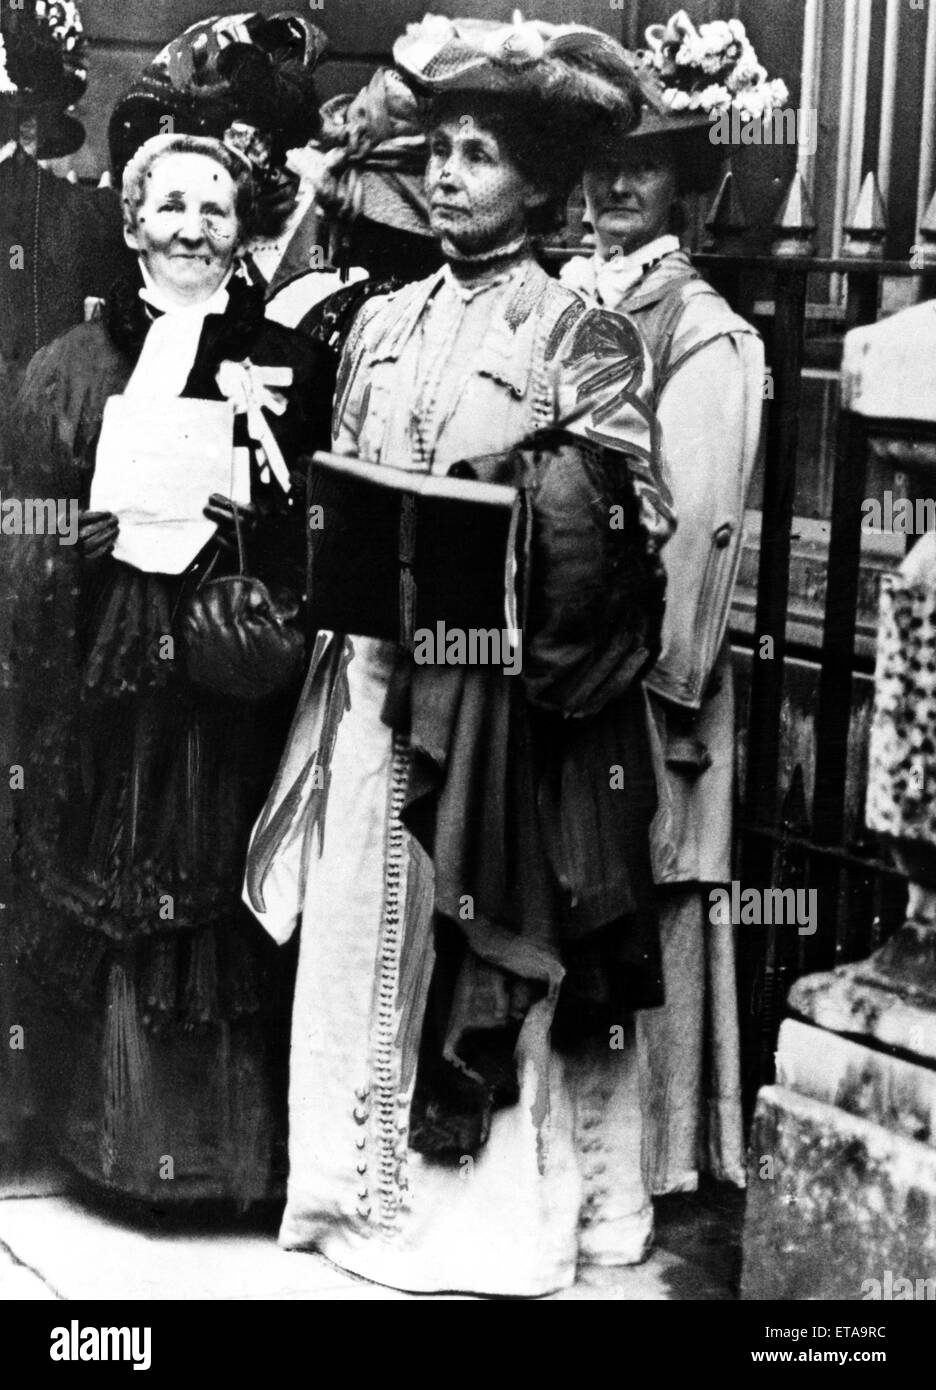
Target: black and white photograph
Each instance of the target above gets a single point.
(468, 662)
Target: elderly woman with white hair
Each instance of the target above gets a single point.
(140, 785)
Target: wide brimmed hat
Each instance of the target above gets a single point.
(58, 133)
(246, 68)
(43, 71)
(374, 159)
(690, 76)
(567, 68)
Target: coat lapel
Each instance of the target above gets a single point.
(295, 260)
(657, 283)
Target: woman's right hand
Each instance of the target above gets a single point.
(97, 534)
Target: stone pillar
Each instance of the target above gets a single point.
(842, 1180)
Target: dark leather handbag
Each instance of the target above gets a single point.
(242, 639)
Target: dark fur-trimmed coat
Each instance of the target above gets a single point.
(138, 786)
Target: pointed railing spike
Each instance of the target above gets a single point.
(727, 222)
(795, 222)
(923, 254)
(929, 217)
(866, 224)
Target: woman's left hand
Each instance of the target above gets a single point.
(221, 511)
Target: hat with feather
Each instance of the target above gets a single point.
(246, 78)
(555, 90)
(42, 72)
(566, 67)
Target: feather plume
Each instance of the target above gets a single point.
(567, 67)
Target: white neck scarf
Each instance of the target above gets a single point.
(168, 355)
(609, 280)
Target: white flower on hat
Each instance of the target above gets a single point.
(714, 98)
(687, 60)
(713, 64)
(427, 36)
(64, 20)
(747, 73)
(718, 35)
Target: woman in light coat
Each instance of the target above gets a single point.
(709, 366)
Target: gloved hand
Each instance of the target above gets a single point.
(221, 510)
(97, 534)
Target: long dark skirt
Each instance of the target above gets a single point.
(127, 921)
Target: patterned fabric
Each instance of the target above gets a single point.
(594, 363)
(223, 75)
(376, 156)
(901, 781)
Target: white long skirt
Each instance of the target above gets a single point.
(536, 1202)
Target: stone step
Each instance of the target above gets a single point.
(887, 1090)
(843, 1209)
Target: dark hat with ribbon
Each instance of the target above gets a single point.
(374, 157)
(242, 69)
(42, 71)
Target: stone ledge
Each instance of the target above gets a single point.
(886, 998)
(848, 1201)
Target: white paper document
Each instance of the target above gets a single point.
(157, 464)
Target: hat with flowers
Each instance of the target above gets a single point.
(689, 76)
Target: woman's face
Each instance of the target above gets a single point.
(629, 203)
(187, 231)
(478, 198)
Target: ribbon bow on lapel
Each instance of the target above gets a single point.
(252, 390)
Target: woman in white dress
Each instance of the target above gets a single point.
(474, 888)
